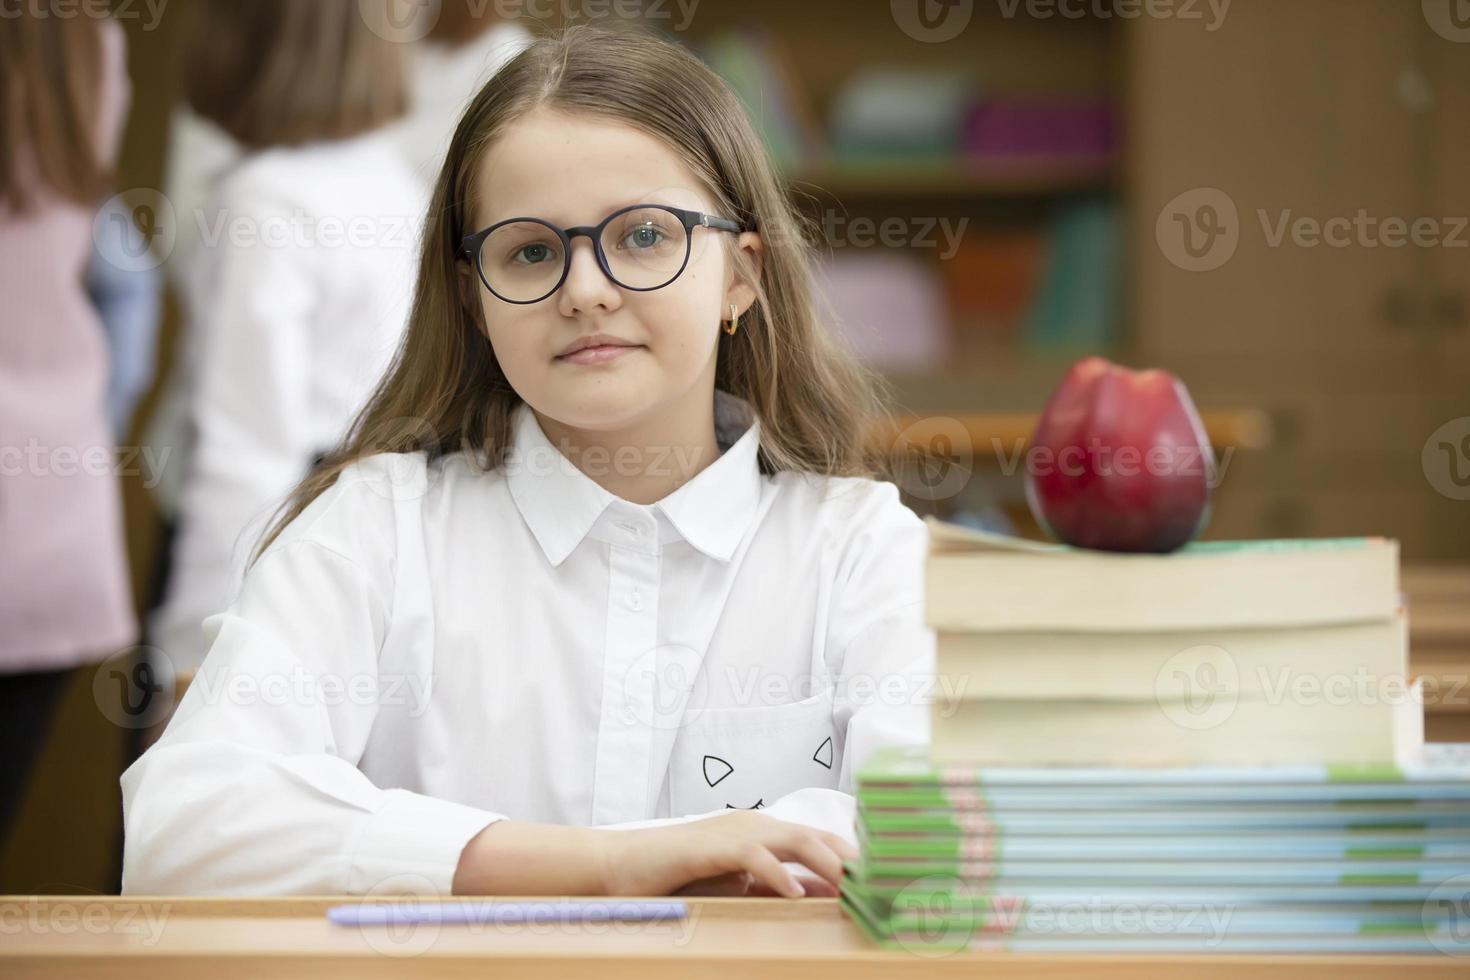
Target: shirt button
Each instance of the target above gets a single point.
(635, 601)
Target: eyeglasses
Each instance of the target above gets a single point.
(641, 247)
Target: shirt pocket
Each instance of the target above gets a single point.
(747, 758)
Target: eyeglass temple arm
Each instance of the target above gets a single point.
(723, 224)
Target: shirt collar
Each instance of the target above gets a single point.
(712, 511)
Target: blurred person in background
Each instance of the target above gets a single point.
(123, 283)
(466, 43)
(65, 599)
(297, 293)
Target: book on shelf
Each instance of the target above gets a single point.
(758, 68)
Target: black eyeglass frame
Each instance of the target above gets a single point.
(469, 246)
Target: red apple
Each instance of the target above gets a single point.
(1120, 461)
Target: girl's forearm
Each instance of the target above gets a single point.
(512, 857)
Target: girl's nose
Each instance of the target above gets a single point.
(586, 288)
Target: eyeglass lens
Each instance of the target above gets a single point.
(645, 249)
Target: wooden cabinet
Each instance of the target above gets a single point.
(1331, 127)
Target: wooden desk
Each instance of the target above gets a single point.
(222, 939)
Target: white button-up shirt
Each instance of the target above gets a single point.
(432, 646)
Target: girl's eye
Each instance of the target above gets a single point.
(643, 236)
(532, 254)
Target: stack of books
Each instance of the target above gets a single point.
(1216, 749)
(1229, 653)
(1182, 859)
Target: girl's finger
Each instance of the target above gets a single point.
(766, 867)
(839, 844)
(813, 848)
(812, 851)
(815, 888)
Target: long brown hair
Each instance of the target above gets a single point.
(445, 391)
(50, 93)
(283, 72)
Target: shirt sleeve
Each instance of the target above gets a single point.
(254, 787)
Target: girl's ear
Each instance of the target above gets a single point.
(742, 291)
(469, 291)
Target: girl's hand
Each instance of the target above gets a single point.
(735, 853)
(739, 884)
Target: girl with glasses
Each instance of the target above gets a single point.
(600, 594)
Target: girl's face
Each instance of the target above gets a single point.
(576, 170)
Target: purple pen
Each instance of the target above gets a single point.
(491, 912)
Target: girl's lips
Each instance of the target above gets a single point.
(597, 355)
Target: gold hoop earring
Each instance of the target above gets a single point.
(734, 320)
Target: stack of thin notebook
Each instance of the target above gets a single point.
(1215, 749)
(1183, 859)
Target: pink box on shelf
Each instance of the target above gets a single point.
(1051, 128)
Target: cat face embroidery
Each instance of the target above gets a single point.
(716, 770)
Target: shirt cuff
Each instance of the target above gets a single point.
(819, 808)
(411, 845)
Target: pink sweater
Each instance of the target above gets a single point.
(64, 592)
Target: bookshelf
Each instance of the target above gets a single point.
(1356, 354)
(821, 81)
(1030, 178)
